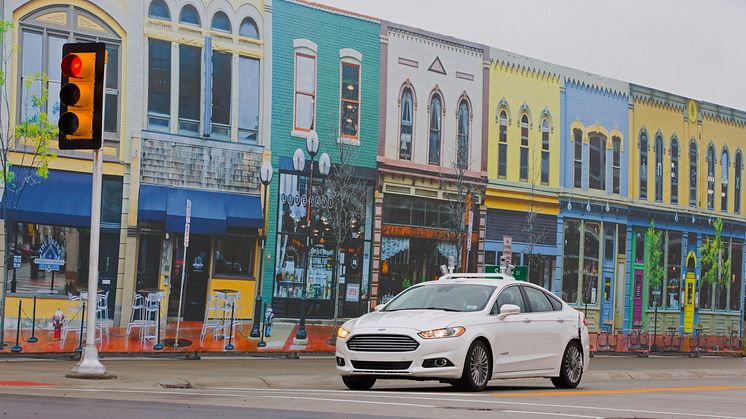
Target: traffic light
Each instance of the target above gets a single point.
(82, 96)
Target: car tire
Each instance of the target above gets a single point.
(571, 369)
(477, 368)
(358, 383)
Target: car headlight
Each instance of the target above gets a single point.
(448, 332)
(342, 333)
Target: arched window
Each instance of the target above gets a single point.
(710, 177)
(724, 168)
(189, 15)
(524, 148)
(462, 147)
(248, 28)
(159, 10)
(220, 22)
(659, 168)
(616, 164)
(545, 152)
(577, 158)
(597, 161)
(693, 156)
(436, 116)
(502, 146)
(674, 171)
(405, 129)
(643, 165)
(738, 167)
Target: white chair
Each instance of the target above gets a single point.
(137, 315)
(102, 315)
(74, 317)
(152, 312)
(213, 317)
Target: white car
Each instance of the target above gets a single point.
(466, 329)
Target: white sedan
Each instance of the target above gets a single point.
(466, 329)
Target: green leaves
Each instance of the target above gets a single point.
(715, 253)
(654, 261)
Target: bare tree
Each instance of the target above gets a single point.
(533, 231)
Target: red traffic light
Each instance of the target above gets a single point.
(78, 65)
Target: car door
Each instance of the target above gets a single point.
(548, 331)
(514, 335)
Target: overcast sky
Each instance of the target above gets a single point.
(694, 48)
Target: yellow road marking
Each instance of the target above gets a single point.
(620, 391)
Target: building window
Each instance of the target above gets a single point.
(234, 257)
(693, 156)
(248, 28)
(571, 261)
(435, 130)
(673, 270)
(616, 164)
(710, 177)
(578, 158)
(462, 147)
(597, 161)
(659, 168)
(545, 152)
(189, 15)
(674, 171)
(159, 10)
(502, 146)
(248, 107)
(159, 84)
(724, 169)
(590, 262)
(737, 182)
(190, 88)
(405, 129)
(221, 95)
(350, 98)
(643, 165)
(524, 148)
(305, 91)
(220, 22)
(639, 247)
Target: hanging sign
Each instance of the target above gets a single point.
(51, 256)
(186, 235)
(353, 293)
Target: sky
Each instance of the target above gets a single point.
(693, 48)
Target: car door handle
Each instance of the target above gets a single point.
(560, 320)
(527, 320)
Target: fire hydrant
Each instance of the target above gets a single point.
(57, 324)
(268, 316)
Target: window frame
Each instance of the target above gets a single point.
(196, 12)
(297, 92)
(710, 160)
(406, 90)
(342, 64)
(674, 150)
(165, 5)
(737, 179)
(658, 182)
(616, 165)
(724, 179)
(439, 115)
(250, 20)
(227, 19)
(461, 136)
(250, 241)
(693, 173)
(502, 144)
(599, 141)
(545, 152)
(577, 157)
(644, 185)
(524, 167)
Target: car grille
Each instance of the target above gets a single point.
(381, 365)
(382, 343)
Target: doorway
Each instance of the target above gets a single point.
(108, 261)
(148, 261)
(196, 279)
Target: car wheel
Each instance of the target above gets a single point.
(477, 368)
(358, 383)
(571, 370)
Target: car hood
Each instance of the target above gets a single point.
(408, 319)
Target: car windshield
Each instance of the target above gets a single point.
(447, 297)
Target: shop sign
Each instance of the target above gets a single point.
(353, 293)
(508, 248)
(317, 201)
(51, 256)
(198, 264)
(17, 261)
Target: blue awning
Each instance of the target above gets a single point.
(212, 212)
(64, 198)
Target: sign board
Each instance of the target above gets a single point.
(51, 256)
(198, 265)
(17, 261)
(188, 211)
(520, 273)
(353, 293)
(508, 248)
(186, 235)
(471, 224)
(491, 269)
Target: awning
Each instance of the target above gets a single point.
(212, 212)
(63, 198)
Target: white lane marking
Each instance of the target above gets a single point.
(528, 412)
(324, 399)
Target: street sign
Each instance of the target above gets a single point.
(508, 248)
(491, 269)
(17, 261)
(471, 225)
(189, 211)
(186, 235)
(520, 273)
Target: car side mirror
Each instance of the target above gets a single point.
(508, 310)
(379, 307)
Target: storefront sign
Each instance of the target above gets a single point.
(51, 256)
(353, 293)
(419, 232)
(508, 248)
(302, 200)
(198, 264)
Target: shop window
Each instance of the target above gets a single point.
(545, 152)
(639, 247)
(405, 128)
(159, 10)
(656, 294)
(673, 271)
(220, 22)
(577, 158)
(737, 176)
(111, 200)
(189, 15)
(221, 95)
(190, 88)
(502, 146)
(234, 257)
(490, 257)
(693, 174)
(706, 292)
(710, 177)
(540, 270)
(609, 243)
(435, 130)
(248, 28)
(590, 262)
(159, 84)
(462, 146)
(643, 165)
(724, 169)
(721, 290)
(571, 261)
(305, 91)
(622, 241)
(597, 161)
(674, 171)
(524, 148)
(616, 164)
(248, 107)
(736, 266)
(350, 101)
(659, 168)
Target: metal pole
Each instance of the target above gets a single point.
(89, 362)
(229, 346)
(80, 334)
(33, 338)
(17, 348)
(260, 279)
(158, 346)
(181, 294)
(301, 334)
(262, 343)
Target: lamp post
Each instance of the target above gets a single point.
(299, 164)
(265, 175)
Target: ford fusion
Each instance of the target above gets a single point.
(466, 330)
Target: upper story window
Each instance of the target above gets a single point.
(220, 22)
(674, 171)
(349, 118)
(524, 148)
(659, 168)
(693, 156)
(189, 15)
(502, 146)
(577, 158)
(462, 147)
(159, 10)
(190, 88)
(305, 91)
(42, 35)
(724, 169)
(597, 161)
(248, 28)
(221, 94)
(616, 164)
(545, 152)
(710, 177)
(643, 165)
(249, 82)
(737, 176)
(436, 117)
(159, 84)
(405, 128)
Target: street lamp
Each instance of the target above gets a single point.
(265, 175)
(299, 164)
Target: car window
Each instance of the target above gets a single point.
(538, 300)
(556, 303)
(448, 297)
(510, 295)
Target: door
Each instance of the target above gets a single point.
(637, 298)
(690, 289)
(514, 335)
(196, 278)
(620, 283)
(549, 334)
(108, 260)
(607, 301)
(148, 261)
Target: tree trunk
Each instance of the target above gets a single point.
(5, 254)
(335, 279)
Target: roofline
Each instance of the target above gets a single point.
(335, 10)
